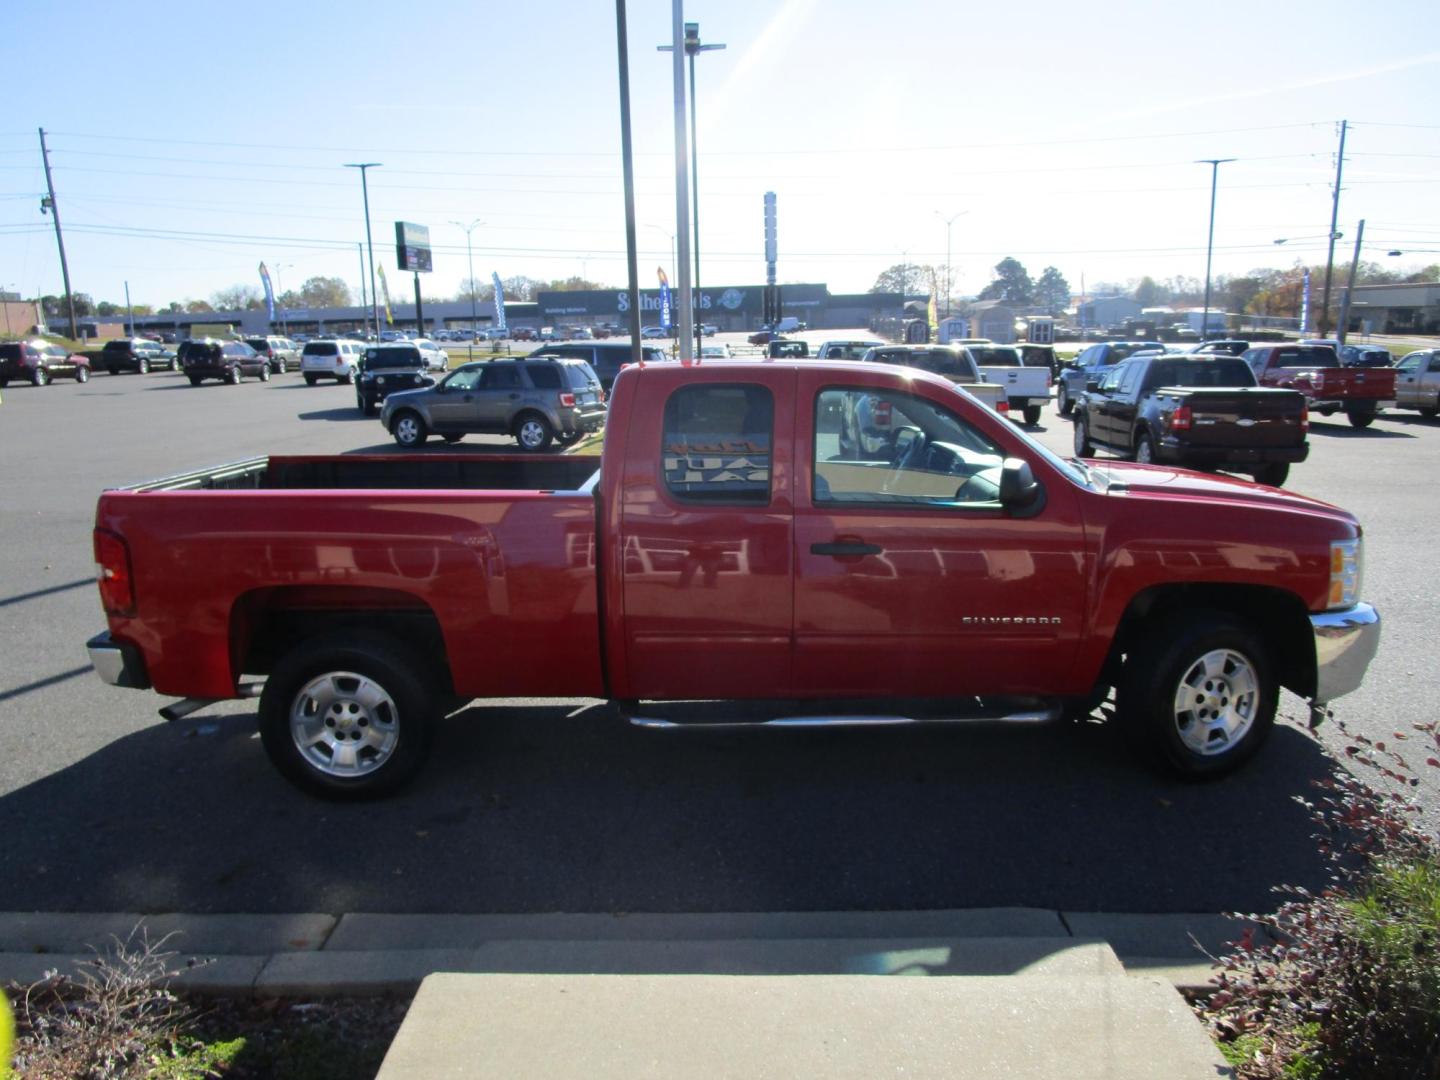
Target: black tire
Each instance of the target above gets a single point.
(1062, 401)
(569, 438)
(1430, 413)
(1273, 474)
(233, 376)
(366, 406)
(533, 432)
(1214, 666)
(4, 382)
(143, 367)
(1083, 446)
(453, 437)
(40, 376)
(82, 373)
(195, 380)
(363, 699)
(408, 428)
(1032, 415)
(264, 372)
(310, 380)
(174, 365)
(347, 378)
(1144, 448)
(1361, 416)
(113, 370)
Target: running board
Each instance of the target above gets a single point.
(1024, 716)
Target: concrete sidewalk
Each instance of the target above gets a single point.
(1020, 993)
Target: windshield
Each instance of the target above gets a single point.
(404, 357)
(1306, 356)
(1222, 371)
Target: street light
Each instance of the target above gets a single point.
(949, 285)
(369, 242)
(470, 258)
(692, 48)
(1214, 164)
(280, 291)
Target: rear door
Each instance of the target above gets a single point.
(706, 521)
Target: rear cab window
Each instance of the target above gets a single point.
(716, 444)
(1306, 356)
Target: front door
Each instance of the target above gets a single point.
(1407, 380)
(452, 404)
(911, 579)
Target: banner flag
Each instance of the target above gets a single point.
(385, 293)
(269, 291)
(664, 297)
(934, 318)
(499, 301)
(1305, 306)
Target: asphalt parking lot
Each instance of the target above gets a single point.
(556, 806)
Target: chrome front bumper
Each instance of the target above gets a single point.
(118, 662)
(1345, 643)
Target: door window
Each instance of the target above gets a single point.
(1129, 376)
(715, 444)
(886, 447)
(1434, 363)
(501, 377)
(1112, 380)
(464, 379)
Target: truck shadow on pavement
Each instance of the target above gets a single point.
(1341, 429)
(344, 412)
(555, 808)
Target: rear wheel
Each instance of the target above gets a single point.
(365, 405)
(409, 429)
(309, 380)
(533, 432)
(1361, 416)
(1144, 449)
(82, 373)
(1063, 402)
(1083, 446)
(174, 365)
(569, 438)
(1032, 415)
(264, 372)
(348, 716)
(195, 380)
(1430, 413)
(143, 367)
(1273, 474)
(454, 437)
(1198, 693)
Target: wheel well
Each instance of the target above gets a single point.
(1278, 617)
(268, 623)
(522, 414)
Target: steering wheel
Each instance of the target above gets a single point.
(910, 456)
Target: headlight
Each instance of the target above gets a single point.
(1345, 566)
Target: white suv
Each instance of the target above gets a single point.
(331, 359)
(436, 358)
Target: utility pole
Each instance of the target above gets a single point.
(1214, 164)
(130, 308)
(54, 211)
(949, 282)
(419, 314)
(364, 303)
(470, 258)
(682, 188)
(1334, 219)
(1350, 287)
(370, 243)
(627, 165)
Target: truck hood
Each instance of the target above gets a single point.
(1128, 479)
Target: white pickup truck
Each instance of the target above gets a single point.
(1027, 389)
(957, 365)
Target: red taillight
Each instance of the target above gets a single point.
(1182, 419)
(601, 393)
(1003, 407)
(112, 567)
(882, 413)
(1304, 418)
(567, 401)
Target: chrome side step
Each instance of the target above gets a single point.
(1023, 716)
(178, 710)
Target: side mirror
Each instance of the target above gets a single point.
(1020, 492)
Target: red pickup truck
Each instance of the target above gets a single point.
(840, 535)
(1316, 372)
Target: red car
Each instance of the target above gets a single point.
(843, 534)
(39, 362)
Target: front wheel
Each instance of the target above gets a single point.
(365, 405)
(533, 432)
(1430, 413)
(143, 367)
(264, 372)
(82, 374)
(309, 380)
(174, 365)
(348, 716)
(409, 430)
(40, 376)
(233, 376)
(569, 438)
(1083, 446)
(1273, 474)
(1063, 402)
(453, 437)
(195, 380)
(1032, 415)
(1198, 693)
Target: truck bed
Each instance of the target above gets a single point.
(491, 472)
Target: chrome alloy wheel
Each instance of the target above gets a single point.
(344, 725)
(1215, 702)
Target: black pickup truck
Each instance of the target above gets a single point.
(1194, 410)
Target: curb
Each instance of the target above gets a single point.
(317, 955)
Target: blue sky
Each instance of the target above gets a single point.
(191, 141)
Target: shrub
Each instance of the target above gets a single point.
(1350, 984)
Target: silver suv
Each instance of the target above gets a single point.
(331, 359)
(537, 400)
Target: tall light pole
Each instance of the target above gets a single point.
(470, 258)
(692, 48)
(369, 242)
(1214, 164)
(949, 285)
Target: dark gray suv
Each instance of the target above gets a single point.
(537, 400)
(604, 358)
